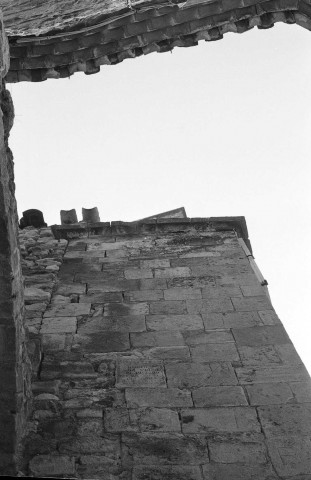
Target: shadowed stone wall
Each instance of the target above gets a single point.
(163, 358)
(14, 365)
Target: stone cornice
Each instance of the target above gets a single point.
(127, 29)
(153, 226)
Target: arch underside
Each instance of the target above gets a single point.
(115, 31)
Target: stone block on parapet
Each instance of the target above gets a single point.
(124, 228)
(90, 215)
(81, 230)
(68, 217)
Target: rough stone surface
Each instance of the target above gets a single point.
(160, 360)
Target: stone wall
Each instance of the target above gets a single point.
(14, 365)
(163, 358)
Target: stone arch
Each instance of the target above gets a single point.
(57, 38)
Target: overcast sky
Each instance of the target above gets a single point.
(221, 129)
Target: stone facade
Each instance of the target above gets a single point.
(161, 358)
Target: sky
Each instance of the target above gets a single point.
(222, 129)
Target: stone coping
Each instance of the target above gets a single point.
(152, 226)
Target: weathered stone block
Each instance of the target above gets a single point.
(151, 284)
(68, 310)
(219, 396)
(169, 354)
(187, 375)
(104, 284)
(267, 335)
(239, 319)
(155, 419)
(221, 291)
(244, 304)
(174, 322)
(191, 282)
(198, 338)
(100, 297)
(108, 446)
(120, 309)
(98, 466)
(291, 455)
(272, 374)
(270, 394)
(301, 390)
(52, 465)
(238, 450)
(279, 420)
(168, 307)
(172, 272)
(131, 323)
(137, 273)
(216, 352)
(182, 293)
(288, 354)
(269, 317)
(36, 295)
(259, 356)
(219, 420)
(208, 305)
(137, 373)
(59, 325)
(154, 397)
(157, 339)
(173, 472)
(70, 289)
(252, 290)
(166, 448)
(238, 472)
(101, 342)
(53, 342)
(155, 263)
(144, 296)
